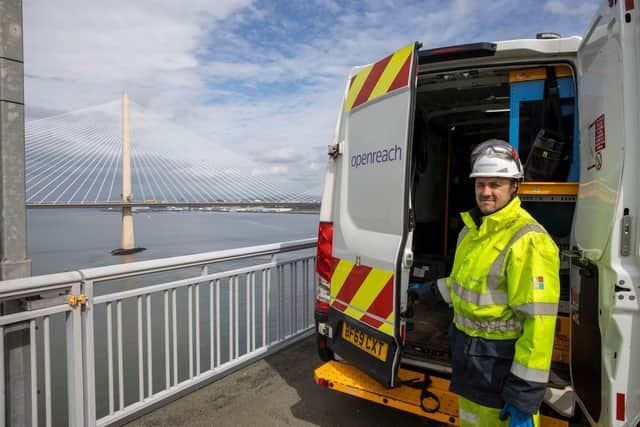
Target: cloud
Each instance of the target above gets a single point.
(270, 171)
(279, 155)
(331, 5)
(94, 51)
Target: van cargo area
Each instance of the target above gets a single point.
(455, 111)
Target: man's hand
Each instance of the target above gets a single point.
(426, 292)
(517, 417)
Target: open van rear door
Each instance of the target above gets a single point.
(371, 216)
(602, 289)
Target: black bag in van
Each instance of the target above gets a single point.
(548, 159)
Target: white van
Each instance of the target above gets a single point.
(397, 179)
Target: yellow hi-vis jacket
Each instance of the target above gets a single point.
(504, 288)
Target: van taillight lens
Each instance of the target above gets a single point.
(628, 5)
(620, 409)
(325, 263)
(321, 306)
(324, 260)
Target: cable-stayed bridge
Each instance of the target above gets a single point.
(75, 159)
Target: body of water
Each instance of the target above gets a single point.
(70, 239)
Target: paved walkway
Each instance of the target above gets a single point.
(276, 391)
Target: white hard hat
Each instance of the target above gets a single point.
(495, 158)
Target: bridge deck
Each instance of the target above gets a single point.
(275, 391)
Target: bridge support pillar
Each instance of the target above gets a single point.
(16, 397)
(128, 240)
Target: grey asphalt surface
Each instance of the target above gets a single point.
(276, 391)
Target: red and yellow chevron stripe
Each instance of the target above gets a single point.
(384, 76)
(364, 293)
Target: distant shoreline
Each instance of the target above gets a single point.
(305, 211)
(230, 209)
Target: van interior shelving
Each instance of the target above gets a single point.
(455, 111)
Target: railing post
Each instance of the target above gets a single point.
(75, 366)
(89, 357)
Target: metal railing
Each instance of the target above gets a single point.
(108, 343)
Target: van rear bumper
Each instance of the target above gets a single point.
(425, 396)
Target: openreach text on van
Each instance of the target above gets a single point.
(380, 156)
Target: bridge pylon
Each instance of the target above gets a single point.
(128, 239)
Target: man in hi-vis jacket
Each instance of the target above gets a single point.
(504, 288)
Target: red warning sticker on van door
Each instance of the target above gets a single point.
(597, 142)
(386, 75)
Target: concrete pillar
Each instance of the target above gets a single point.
(13, 240)
(128, 240)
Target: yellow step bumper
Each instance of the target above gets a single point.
(438, 403)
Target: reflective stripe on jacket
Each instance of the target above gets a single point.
(504, 286)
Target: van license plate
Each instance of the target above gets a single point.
(365, 342)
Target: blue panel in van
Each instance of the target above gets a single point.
(533, 91)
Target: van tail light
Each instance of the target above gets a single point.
(324, 260)
(325, 264)
(321, 306)
(628, 5)
(620, 409)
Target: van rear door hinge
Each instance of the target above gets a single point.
(572, 253)
(412, 219)
(335, 150)
(407, 258)
(578, 257)
(575, 257)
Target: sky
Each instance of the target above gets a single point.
(259, 81)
